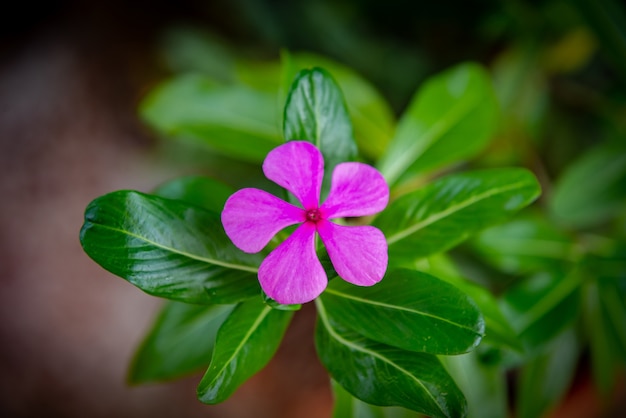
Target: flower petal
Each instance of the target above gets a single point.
(356, 190)
(251, 218)
(298, 166)
(292, 273)
(358, 253)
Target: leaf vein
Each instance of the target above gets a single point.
(450, 210)
(180, 252)
(334, 334)
(266, 310)
(400, 308)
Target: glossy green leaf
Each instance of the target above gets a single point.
(383, 375)
(525, 245)
(410, 310)
(546, 378)
(541, 306)
(180, 341)
(197, 190)
(372, 117)
(451, 209)
(593, 188)
(451, 118)
(246, 342)
(234, 120)
(168, 249)
(316, 112)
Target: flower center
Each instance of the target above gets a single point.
(313, 215)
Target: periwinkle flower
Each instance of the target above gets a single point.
(292, 273)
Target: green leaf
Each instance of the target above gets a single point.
(261, 75)
(196, 190)
(410, 310)
(347, 406)
(526, 245)
(498, 331)
(546, 378)
(451, 209)
(315, 111)
(385, 376)
(180, 341)
(276, 305)
(234, 120)
(541, 306)
(604, 311)
(372, 117)
(191, 49)
(246, 342)
(593, 188)
(484, 385)
(451, 118)
(168, 249)
(601, 346)
(613, 304)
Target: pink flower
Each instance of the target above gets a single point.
(292, 273)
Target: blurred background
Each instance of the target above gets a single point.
(72, 75)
